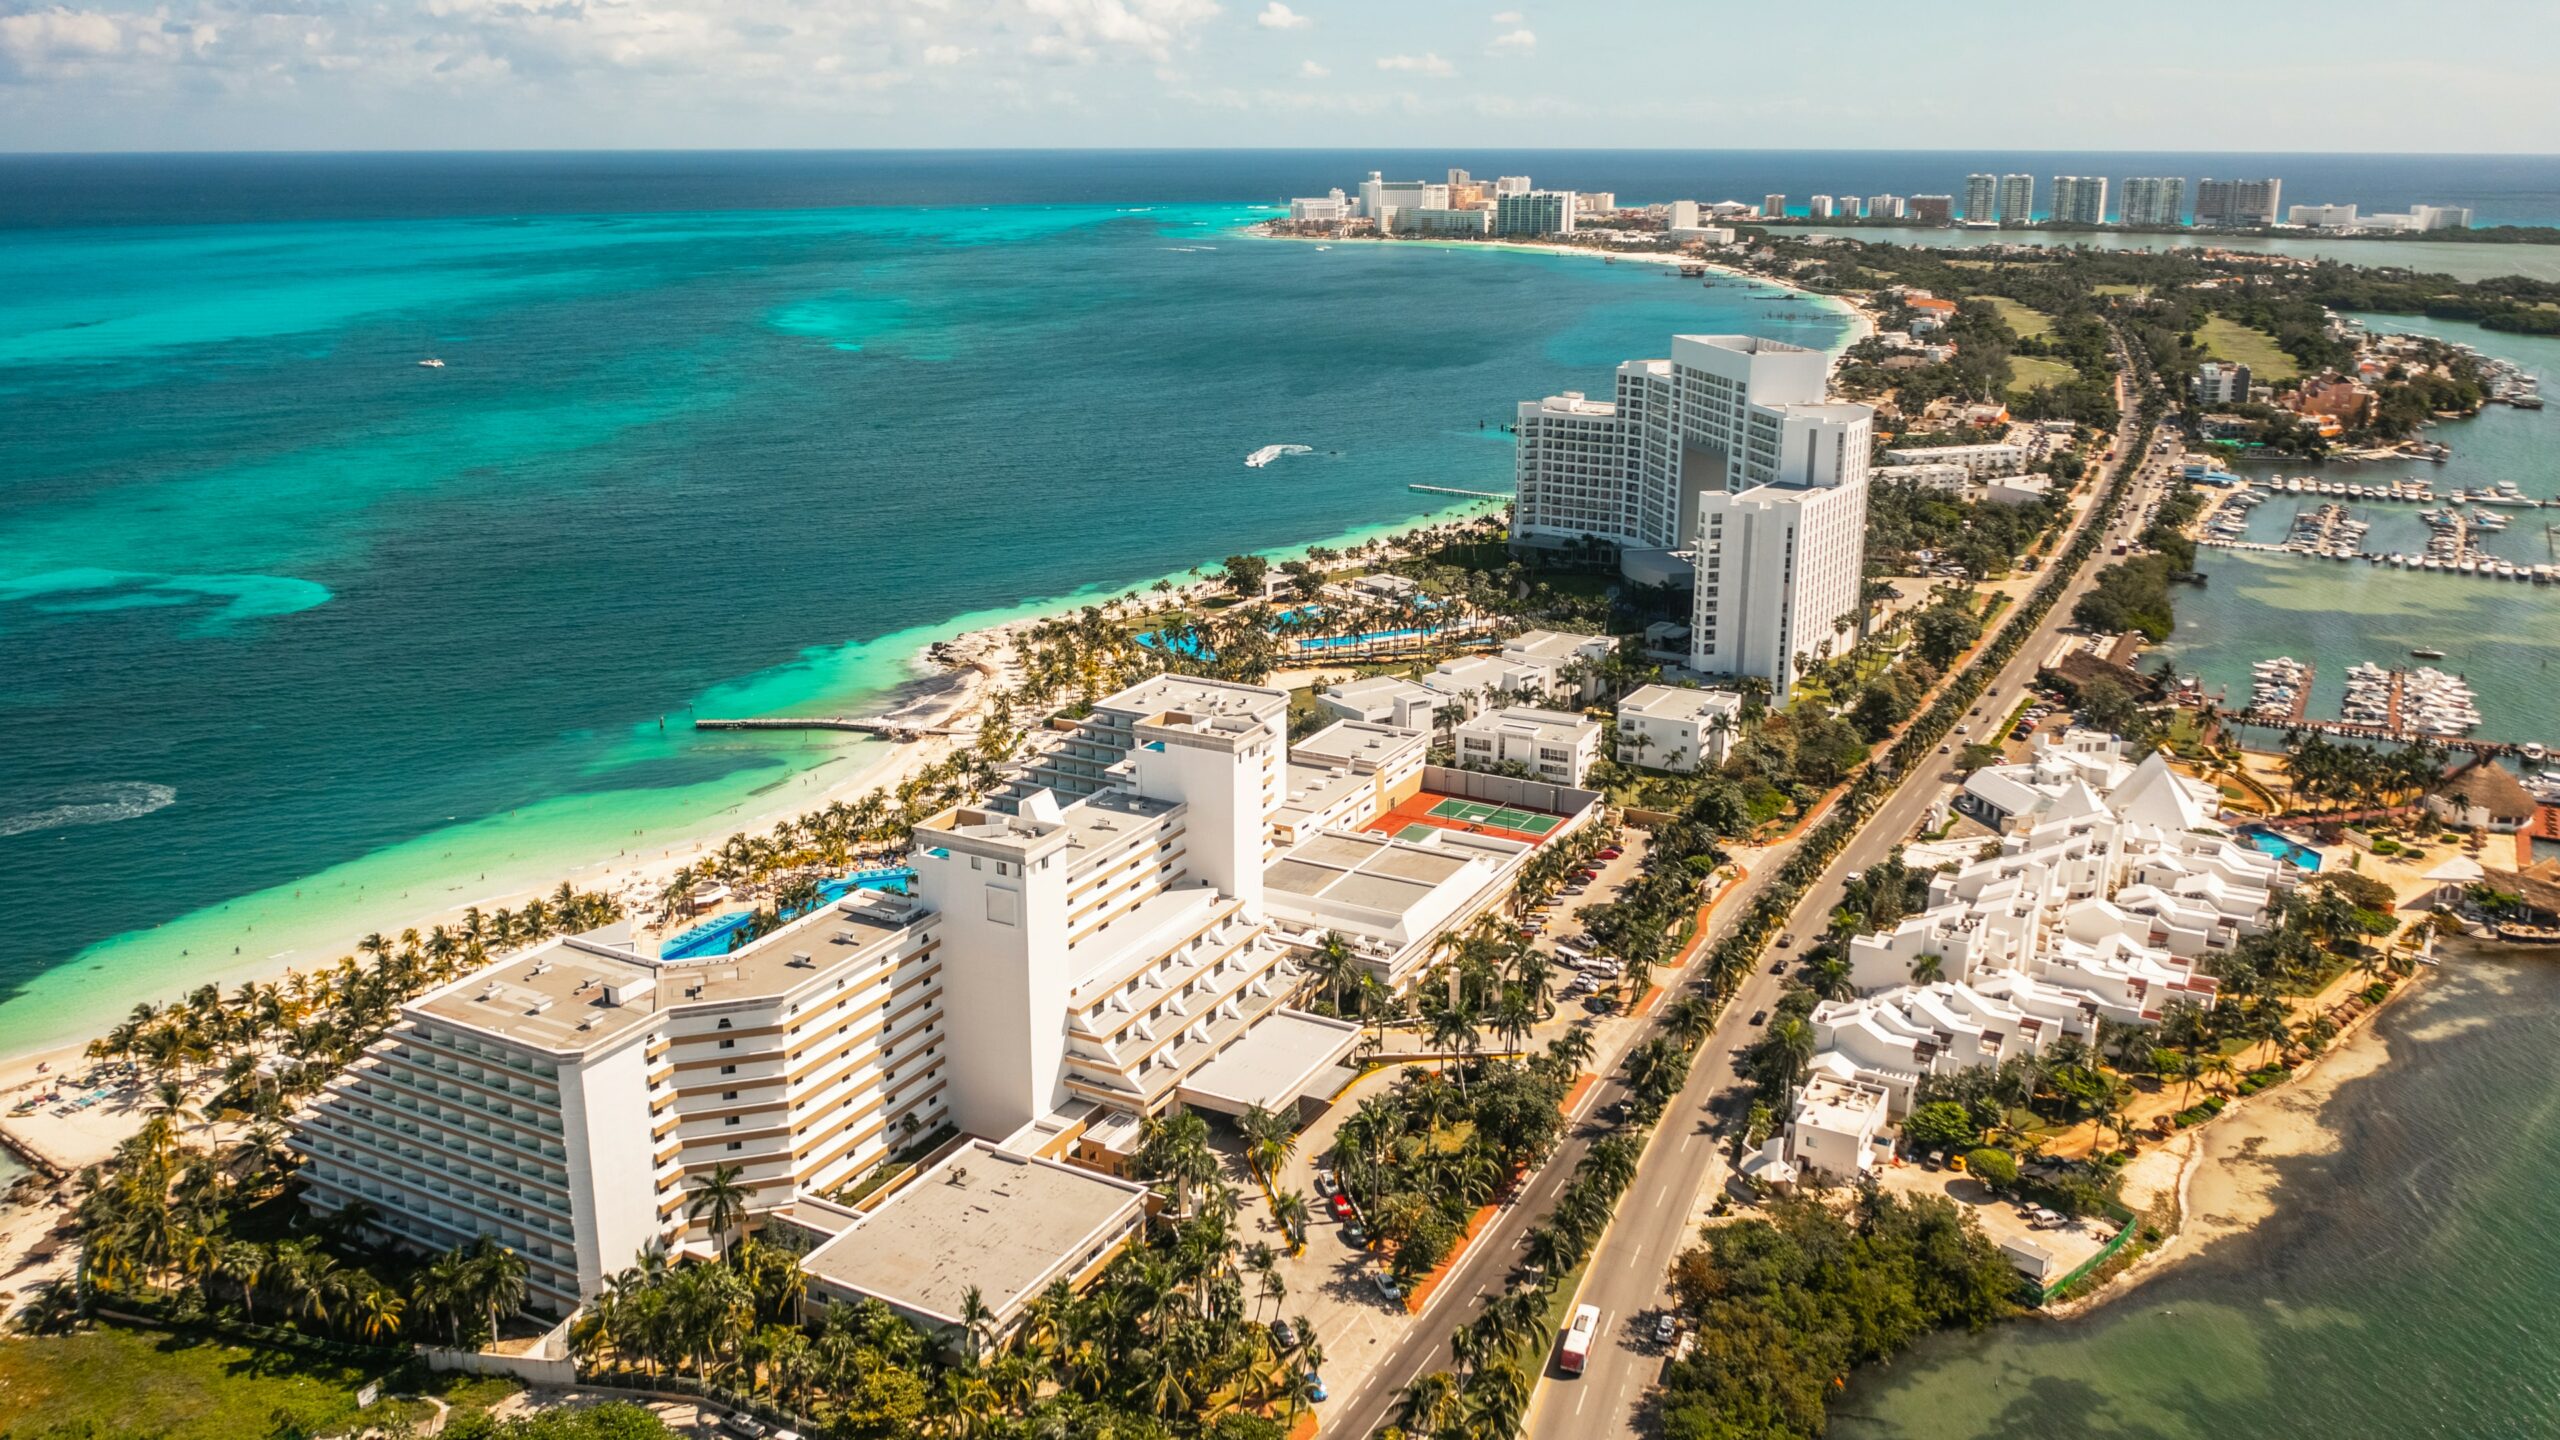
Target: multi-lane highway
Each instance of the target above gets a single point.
(1626, 1277)
(1629, 1269)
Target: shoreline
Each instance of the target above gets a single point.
(1862, 325)
(315, 916)
(2225, 1181)
(313, 919)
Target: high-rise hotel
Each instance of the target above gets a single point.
(1089, 953)
(1727, 455)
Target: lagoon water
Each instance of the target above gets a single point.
(2503, 637)
(2404, 1287)
(304, 639)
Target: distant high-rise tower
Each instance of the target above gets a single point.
(2155, 200)
(1773, 207)
(2080, 199)
(2238, 202)
(1981, 196)
(1818, 208)
(2017, 199)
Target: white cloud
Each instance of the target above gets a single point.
(1312, 70)
(947, 54)
(1516, 40)
(1508, 17)
(1423, 64)
(1276, 16)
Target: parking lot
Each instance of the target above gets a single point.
(1333, 1285)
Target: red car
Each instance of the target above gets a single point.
(1342, 1207)
(1611, 853)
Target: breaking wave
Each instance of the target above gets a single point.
(100, 804)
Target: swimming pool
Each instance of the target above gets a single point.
(2269, 842)
(714, 936)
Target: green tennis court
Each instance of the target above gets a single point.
(1476, 812)
(1416, 831)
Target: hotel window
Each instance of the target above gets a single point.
(736, 1145)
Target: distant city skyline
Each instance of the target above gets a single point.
(467, 74)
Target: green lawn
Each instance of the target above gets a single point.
(118, 1381)
(2026, 372)
(2027, 322)
(2229, 340)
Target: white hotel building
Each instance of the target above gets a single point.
(1727, 455)
(1068, 966)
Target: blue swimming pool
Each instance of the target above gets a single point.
(716, 935)
(2269, 842)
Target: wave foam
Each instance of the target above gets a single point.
(103, 803)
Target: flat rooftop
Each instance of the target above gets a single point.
(1272, 1065)
(1371, 871)
(551, 998)
(1007, 1224)
(1195, 695)
(1355, 742)
(1674, 702)
(555, 997)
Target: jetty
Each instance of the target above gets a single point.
(2362, 730)
(886, 729)
(1470, 494)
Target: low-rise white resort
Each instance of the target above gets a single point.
(2110, 882)
(1118, 931)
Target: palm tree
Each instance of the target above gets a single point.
(1289, 1210)
(1929, 969)
(720, 1202)
(495, 1278)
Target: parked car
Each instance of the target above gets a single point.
(1342, 1207)
(1612, 853)
(1324, 1184)
(1282, 1335)
(745, 1427)
(1354, 1236)
(1315, 1386)
(1387, 1286)
(1666, 1329)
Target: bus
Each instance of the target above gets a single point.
(1575, 1347)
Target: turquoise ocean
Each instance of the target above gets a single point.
(304, 639)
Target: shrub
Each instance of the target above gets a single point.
(1993, 1167)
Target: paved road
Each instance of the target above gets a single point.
(1626, 1278)
(1629, 1269)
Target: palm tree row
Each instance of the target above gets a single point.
(191, 1225)
(1168, 1341)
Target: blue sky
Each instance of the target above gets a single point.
(2351, 75)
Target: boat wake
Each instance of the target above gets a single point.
(1269, 453)
(99, 804)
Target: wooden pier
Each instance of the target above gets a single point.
(1470, 494)
(2360, 730)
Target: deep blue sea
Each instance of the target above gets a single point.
(302, 639)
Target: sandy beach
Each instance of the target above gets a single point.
(1861, 321)
(2222, 1175)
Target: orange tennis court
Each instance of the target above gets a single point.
(1428, 811)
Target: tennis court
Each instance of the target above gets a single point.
(1416, 833)
(1476, 812)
